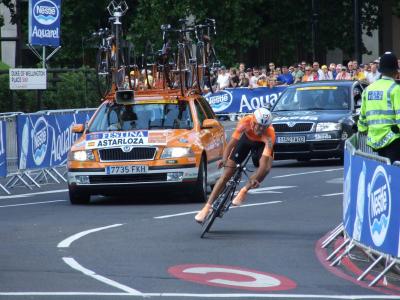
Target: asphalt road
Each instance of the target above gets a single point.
(148, 245)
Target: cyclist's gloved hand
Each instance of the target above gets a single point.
(254, 183)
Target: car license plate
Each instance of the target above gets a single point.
(131, 169)
(290, 139)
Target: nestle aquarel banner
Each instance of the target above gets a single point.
(371, 203)
(243, 100)
(3, 158)
(44, 140)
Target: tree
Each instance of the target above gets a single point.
(10, 5)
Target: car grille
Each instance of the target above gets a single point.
(137, 153)
(132, 178)
(298, 127)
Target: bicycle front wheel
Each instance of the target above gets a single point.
(223, 199)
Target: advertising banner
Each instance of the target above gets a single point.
(44, 22)
(371, 202)
(3, 158)
(243, 100)
(44, 140)
(28, 79)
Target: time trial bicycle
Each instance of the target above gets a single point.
(224, 201)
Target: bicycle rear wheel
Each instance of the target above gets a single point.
(103, 72)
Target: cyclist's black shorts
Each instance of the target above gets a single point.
(244, 146)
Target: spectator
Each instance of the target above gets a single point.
(243, 80)
(299, 74)
(125, 84)
(359, 74)
(317, 69)
(242, 68)
(278, 71)
(254, 78)
(271, 69)
(338, 69)
(374, 75)
(262, 80)
(309, 76)
(291, 70)
(233, 78)
(285, 77)
(350, 68)
(326, 74)
(223, 79)
(332, 69)
(249, 73)
(343, 75)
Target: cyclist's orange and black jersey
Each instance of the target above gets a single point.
(249, 141)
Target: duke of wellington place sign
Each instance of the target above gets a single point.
(44, 22)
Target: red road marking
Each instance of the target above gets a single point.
(232, 277)
(321, 254)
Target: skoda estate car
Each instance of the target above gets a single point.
(150, 139)
(313, 119)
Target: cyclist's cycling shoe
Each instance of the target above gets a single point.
(203, 213)
(240, 197)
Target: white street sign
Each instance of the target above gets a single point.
(28, 79)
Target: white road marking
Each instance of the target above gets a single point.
(305, 173)
(195, 212)
(143, 295)
(75, 265)
(270, 189)
(32, 203)
(32, 194)
(68, 241)
(334, 194)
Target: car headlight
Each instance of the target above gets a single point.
(174, 152)
(82, 155)
(328, 127)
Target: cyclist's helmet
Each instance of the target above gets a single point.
(263, 116)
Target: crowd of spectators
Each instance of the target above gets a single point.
(271, 75)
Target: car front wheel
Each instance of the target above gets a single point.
(200, 191)
(78, 197)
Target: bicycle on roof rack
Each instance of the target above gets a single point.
(111, 64)
(206, 58)
(223, 202)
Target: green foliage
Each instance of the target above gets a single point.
(3, 66)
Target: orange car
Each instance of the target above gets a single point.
(152, 138)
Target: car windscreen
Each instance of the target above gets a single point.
(314, 98)
(144, 116)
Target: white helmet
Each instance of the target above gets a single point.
(263, 116)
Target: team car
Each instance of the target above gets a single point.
(154, 138)
(313, 119)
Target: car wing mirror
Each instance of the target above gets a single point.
(209, 123)
(78, 128)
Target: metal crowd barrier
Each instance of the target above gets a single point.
(357, 145)
(29, 178)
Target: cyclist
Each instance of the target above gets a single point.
(253, 133)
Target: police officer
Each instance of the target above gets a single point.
(380, 110)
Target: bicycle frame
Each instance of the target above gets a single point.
(224, 201)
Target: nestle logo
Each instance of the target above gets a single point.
(45, 12)
(220, 101)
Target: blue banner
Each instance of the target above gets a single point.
(44, 140)
(243, 100)
(371, 203)
(44, 22)
(3, 158)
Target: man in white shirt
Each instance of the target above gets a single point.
(254, 79)
(318, 70)
(223, 79)
(374, 75)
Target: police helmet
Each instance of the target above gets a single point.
(388, 63)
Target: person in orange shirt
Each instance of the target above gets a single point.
(253, 133)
